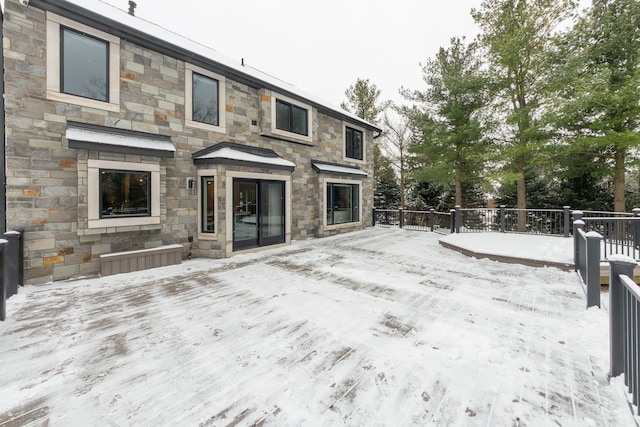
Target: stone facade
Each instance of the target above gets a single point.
(48, 183)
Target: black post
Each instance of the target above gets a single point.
(458, 218)
(3, 288)
(567, 220)
(21, 258)
(432, 217)
(503, 219)
(401, 217)
(621, 265)
(452, 214)
(11, 262)
(373, 222)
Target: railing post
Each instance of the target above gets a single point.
(458, 218)
(567, 220)
(432, 218)
(577, 225)
(503, 219)
(3, 287)
(636, 228)
(452, 214)
(401, 217)
(618, 264)
(577, 215)
(373, 222)
(11, 262)
(592, 279)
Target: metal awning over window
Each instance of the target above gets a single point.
(335, 169)
(235, 154)
(102, 138)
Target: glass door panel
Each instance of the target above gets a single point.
(245, 214)
(258, 213)
(271, 212)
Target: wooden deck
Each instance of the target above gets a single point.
(381, 327)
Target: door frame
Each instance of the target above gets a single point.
(228, 184)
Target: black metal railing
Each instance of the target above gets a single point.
(470, 220)
(620, 233)
(437, 222)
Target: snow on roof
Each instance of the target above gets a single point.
(331, 168)
(170, 37)
(232, 154)
(115, 139)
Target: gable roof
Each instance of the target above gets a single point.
(235, 154)
(110, 19)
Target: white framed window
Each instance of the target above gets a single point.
(83, 64)
(354, 144)
(122, 194)
(291, 118)
(207, 206)
(342, 202)
(204, 99)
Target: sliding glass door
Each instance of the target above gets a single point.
(258, 217)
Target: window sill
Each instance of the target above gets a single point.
(205, 126)
(208, 236)
(344, 225)
(123, 222)
(286, 138)
(84, 102)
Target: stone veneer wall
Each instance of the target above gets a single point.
(47, 181)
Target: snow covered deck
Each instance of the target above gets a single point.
(380, 327)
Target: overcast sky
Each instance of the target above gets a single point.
(321, 47)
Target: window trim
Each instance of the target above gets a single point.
(292, 135)
(93, 194)
(364, 143)
(101, 189)
(188, 99)
(207, 173)
(54, 65)
(324, 182)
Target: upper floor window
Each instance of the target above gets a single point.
(205, 102)
(204, 99)
(84, 65)
(292, 118)
(354, 143)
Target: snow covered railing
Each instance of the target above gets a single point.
(11, 267)
(586, 259)
(621, 234)
(415, 220)
(624, 310)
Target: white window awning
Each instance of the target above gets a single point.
(101, 138)
(236, 154)
(331, 168)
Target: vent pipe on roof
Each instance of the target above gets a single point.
(132, 8)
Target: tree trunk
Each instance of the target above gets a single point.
(521, 201)
(458, 192)
(618, 181)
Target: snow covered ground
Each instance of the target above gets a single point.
(382, 327)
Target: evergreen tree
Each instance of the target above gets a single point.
(450, 142)
(598, 84)
(518, 35)
(363, 101)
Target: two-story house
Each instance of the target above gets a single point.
(121, 135)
